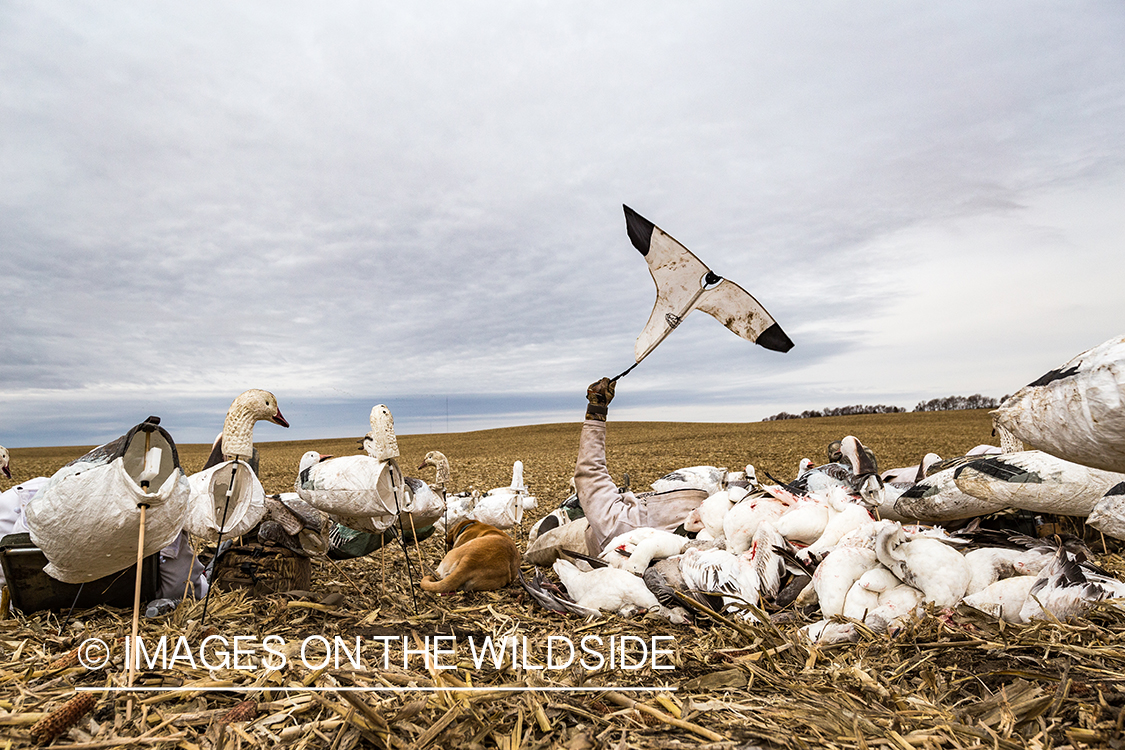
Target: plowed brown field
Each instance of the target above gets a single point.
(646, 450)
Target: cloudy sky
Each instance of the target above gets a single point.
(420, 205)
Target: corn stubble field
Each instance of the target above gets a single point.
(965, 682)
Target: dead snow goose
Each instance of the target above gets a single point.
(635, 549)
(1067, 587)
(929, 565)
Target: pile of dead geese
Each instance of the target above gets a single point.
(872, 549)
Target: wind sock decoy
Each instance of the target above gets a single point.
(683, 284)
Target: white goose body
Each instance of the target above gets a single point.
(1067, 588)
(1077, 411)
(717, 571)
(804, 521)
(863, 596)
(635, 549)
(837, 573)
(711, 514)
(931, 566)
(741, 522)
(1002, 599)
(896, 605)
(605, 589)
(1037, 482)
(847, 517)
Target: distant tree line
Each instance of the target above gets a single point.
(840, 411)
(953, 403)
(949, 403)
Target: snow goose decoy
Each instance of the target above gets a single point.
(1108, 515)
(1035, 481)
(503, 507)
(4, 468)
(710, 479)
(937, 499)
(363, 493)
(294, 524)
(1077, 411)
(87, 517)
(227, 498)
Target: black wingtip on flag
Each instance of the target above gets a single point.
(684, 284)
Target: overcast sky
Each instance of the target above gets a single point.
(420, 205)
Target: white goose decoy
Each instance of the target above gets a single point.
(365, 492)
(909, 475)
(937, 499)
(218, 508)
(4, 459)
(427, 501)
(87, 517)
(706, 478)
(929, 565)
(1035, 481)
(503, 507)
(1077, 411)
(1108, 515)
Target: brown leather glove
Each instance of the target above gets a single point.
(599, 394)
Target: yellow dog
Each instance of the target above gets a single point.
(480, 558)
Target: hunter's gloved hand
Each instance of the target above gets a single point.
(599, 395)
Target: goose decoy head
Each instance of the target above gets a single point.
(251, 406)
(4, 462)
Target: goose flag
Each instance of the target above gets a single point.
(684, 284)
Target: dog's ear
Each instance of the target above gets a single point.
(451, 537)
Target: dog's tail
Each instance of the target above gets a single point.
(451, 582)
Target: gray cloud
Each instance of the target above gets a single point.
(377, 203)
